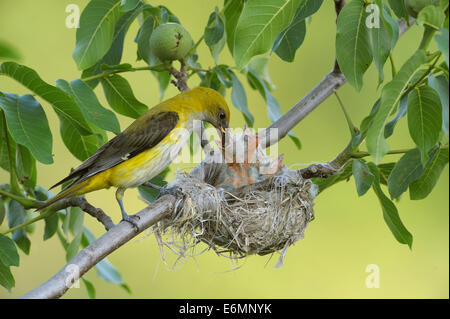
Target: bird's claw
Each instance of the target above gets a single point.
(175, 191)
(132, 220)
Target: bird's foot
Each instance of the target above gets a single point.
(132, 220)
(175, 190)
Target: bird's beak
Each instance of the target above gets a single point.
(222, 130)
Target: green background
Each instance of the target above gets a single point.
(348, 233)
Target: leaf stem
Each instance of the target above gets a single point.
(427, 36)
(430, 68)
(361, 154)
(353, 129)
(159, 68)
(31, 221)
(393, 68)
(25, 202)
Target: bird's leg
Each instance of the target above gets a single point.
(125, 216)
(175, 191)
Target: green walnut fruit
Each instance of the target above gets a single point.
(170, 41)
(415, 6)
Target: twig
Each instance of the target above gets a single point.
(78, 201)
(158, 68)
(82, 203)
(180, 76)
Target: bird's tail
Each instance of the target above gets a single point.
(70, 191)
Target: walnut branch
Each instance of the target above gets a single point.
(120, 234)
(117, 236)
(82, 203)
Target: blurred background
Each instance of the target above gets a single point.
(348, 233)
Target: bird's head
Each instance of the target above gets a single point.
(214, 108)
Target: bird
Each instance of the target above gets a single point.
(146, 147)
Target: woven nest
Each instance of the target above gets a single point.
(265, 216)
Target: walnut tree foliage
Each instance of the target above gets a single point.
(253, 31)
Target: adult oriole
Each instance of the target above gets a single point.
(146, 147)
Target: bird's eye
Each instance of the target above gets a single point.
(222, 115)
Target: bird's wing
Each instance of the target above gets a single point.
(129, 143)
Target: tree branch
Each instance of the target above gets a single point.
(82, 203)
(117, 236)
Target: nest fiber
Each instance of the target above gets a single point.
(261, 218)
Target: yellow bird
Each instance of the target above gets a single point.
(146, 147)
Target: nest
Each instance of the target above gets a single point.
(261, 218)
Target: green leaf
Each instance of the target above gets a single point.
(431, 16)
(259, 24)
(407, 170)
(114, 55)
(143, 39)
(363, 177)
(390, 212)
(291, 38)
(80, 146)
(26, 166)
(6, 278)
(28, 125)
(17, 216)
(127, 5)
(2, 210)
(353, 50)
(398, 6)
(96, 32)
(239, 99)
(216, 48)
(423, 186)
(8, 252)
(108, 272)
(442, 43)
(62, 103)
(90, 288)
(8, 52)
(76, 220)
(385, 170)
(390, 126)
(120, 96)
(232, 13)
(72, 249)
(211, 80)
(390, 96)
(383, 39)
(440, 84)
(4, 157)
(150, 194)
(89, 104)
(424, 119)
(307, 8)
(344, 174)
(51, 225)
(260, 65)
(105, 269)
(215, 29)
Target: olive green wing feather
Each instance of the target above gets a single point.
(139, 137)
